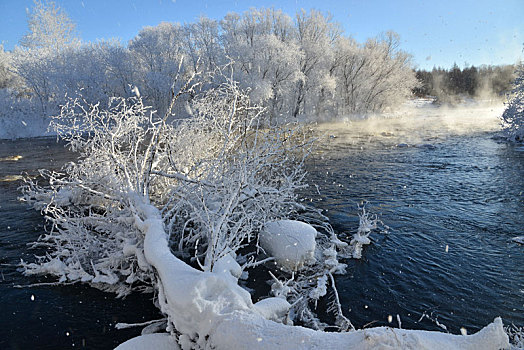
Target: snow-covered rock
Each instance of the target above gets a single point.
(291, 243)
(274, 309)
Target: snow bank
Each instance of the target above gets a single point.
(211, 311)
(292, 243)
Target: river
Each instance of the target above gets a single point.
(447, 189)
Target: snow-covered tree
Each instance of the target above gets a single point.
(114, 59)
(392, 78)
(95, 71)
(513, 116)
(263, 47)
(317, 34)
(7, 77)
(35, 68)
(373, 76)
(49, 27)
(202, 44)
(158, 54)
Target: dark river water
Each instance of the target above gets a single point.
(449, 191)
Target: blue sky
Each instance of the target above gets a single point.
(435, 32)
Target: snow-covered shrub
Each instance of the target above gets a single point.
(513, 116)
(238, 175)
(91, 236)
(218, 179)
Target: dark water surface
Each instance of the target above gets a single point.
(433, 181)
(61, 317)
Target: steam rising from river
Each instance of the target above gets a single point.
(419, 123)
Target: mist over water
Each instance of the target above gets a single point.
(414, 124)
(451, 194)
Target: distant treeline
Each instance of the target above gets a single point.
(449, 85)
(293, 66)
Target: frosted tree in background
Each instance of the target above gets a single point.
(513, 116)
(202, 44)
(296, 68)
(317, 34)
(349, 69)
(37, 62)
(263, 46)
(391, 78)
(6, 74)
(373, 76)
(49, 27)
(96, 71)
(157, 53)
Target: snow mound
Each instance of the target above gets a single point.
(291, 243)
(274, 309)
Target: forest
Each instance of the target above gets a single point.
(455, 84)
(301, 66)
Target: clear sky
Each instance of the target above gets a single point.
(435, 32)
